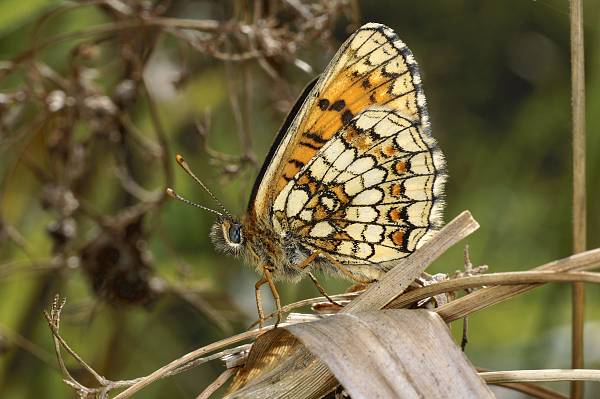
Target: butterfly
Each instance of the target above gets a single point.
(354, 178)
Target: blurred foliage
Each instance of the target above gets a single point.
(90, 123)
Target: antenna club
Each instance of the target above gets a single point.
(180, 160)
(171, 193)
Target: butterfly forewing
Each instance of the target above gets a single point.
(372, 67)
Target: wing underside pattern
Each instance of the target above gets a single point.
(371, 194)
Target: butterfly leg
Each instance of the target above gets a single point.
(261, 313)
(305, 263)
(321, 289)
(275, 294)
(267, 279)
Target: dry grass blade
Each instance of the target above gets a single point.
(183, 361)
(408, 349)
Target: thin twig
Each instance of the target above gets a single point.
(492, 377)
(339, 298)
(161, 136)
(494, 279)
(489, 296)
(53, 318)
(216, 384)
(18, 340)
(531, 389)
(190, 357)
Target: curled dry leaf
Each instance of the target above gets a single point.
(381, 354)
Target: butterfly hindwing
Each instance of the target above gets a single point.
(370, 194)
(373, 67)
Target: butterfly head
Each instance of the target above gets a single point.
(227, 235)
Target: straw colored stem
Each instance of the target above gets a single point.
(493, 377)
(508, 278)
(486, 297)
(216, 384)
(579, 186)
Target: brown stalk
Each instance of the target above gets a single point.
(216, 384)
(533, 390)
(487, 297)
(188, 358)
(496, 279)
(463, 283)
(540, 375)
(579, 186)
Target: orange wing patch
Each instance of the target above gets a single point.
(372, 67)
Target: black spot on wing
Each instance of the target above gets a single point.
(296, 162)
(309, 145)
(315, 137)
(338, 105)
(323, 104)
(347, 117)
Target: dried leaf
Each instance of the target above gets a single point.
(382, 354)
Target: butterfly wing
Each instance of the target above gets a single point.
(372, 67)
(371, 194)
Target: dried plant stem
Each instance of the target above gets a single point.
(508, 278)
(189, 358)
(462, 283)
(105, 385)
(532, 390)
(344, 298)
(489, 296)
(216, 384)
(492, 377)
(161, 137)
(579, 186)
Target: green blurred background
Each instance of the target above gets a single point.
(496, 75)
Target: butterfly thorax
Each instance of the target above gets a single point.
(256, 241)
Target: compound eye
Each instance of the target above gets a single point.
(235, 233)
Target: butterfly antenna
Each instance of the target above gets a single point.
(184, 165)
(171, 193)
